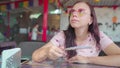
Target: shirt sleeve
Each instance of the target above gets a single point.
(104, 40)
(58, 39)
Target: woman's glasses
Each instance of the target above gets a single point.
(81, 12)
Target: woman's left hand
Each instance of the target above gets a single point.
(78, 59)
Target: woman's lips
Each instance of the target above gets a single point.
(74, 21)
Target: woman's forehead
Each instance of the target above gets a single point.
(81, 5)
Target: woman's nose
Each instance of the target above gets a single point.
(74, 14)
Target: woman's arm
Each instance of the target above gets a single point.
(38, 32)
(112, 58)
(47, 51)
(41, 53)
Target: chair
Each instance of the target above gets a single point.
(7, 45)
(29, 47)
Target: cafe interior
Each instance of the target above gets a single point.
(17, 19)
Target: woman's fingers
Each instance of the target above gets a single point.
(79, 59)
(55, 52)
(52, 57)
(73, 59)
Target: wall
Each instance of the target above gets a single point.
(104, 17)
(63, 21)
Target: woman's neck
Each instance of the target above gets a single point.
(81, 34)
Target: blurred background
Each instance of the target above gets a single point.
(18, 16)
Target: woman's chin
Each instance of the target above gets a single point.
(75, 26)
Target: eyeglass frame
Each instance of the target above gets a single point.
(81, 11)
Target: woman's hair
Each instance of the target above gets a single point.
(34, 24)
(70, 33)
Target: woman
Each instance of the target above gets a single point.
(82, 31)
(35, 32)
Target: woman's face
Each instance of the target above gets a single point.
(37, 26)
(80, 15)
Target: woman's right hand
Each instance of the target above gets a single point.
(55, 52)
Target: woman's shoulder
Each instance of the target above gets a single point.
(104, 40)
(102, 34)
(58, 38)
(61, 32)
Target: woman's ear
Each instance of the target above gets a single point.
(90, 20)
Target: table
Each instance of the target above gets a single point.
(54, 64)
